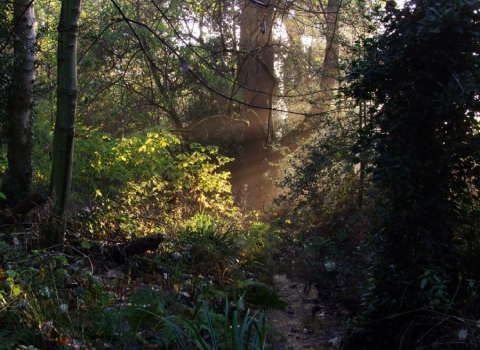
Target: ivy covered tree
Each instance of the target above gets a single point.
(6, 60)
(423, 75)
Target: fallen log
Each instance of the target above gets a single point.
(9, 215)
(120, 253)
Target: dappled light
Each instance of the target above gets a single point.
(239, 175)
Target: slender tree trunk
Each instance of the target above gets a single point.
(19, 107)
(61, 176)
(258, 82)
(361, 170)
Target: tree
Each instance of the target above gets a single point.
(6, 60)
(330, 70)
(129, 64)
(20, 102)
(258, 81)
(61, 176)
(422, 74)
(317, 82)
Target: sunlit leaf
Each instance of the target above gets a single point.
(16, 290)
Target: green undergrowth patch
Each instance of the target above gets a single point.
(212, 260)
(205, 287)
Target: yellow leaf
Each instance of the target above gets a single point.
(16, 291)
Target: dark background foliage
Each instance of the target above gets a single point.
(422, 73)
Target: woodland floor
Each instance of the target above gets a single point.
(308, 322)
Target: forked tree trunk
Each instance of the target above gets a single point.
(19, 176)
(328, 80)
(258, 82)
(61, 176)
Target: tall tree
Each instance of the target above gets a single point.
(19, 175)
(329, 72)
(61, 176)
(258, 82)
(326, 76)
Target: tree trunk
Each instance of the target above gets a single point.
(330, 69)
(61, 176)
(328, 80)
(19, 176)
(258, 82)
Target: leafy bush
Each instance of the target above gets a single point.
(213, 258)
(146, 182)
(216, 246)
(322, 174)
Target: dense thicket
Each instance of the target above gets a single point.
(422, 73)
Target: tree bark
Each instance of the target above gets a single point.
(61, 176)
(330, 68)
(328, 80)
(122, 252)
(18, 180)
(258, 82)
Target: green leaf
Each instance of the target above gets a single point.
(86, 245)
(211, 329)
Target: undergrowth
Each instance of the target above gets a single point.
(202, 288)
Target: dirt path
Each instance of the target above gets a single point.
(305, 324)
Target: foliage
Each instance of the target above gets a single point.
(52, 299)
(231, 330)
(215, 246)
(422, 75)
(418, 145)
(218, 256)
(138, 184)
(147, 181)
(322, 176)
